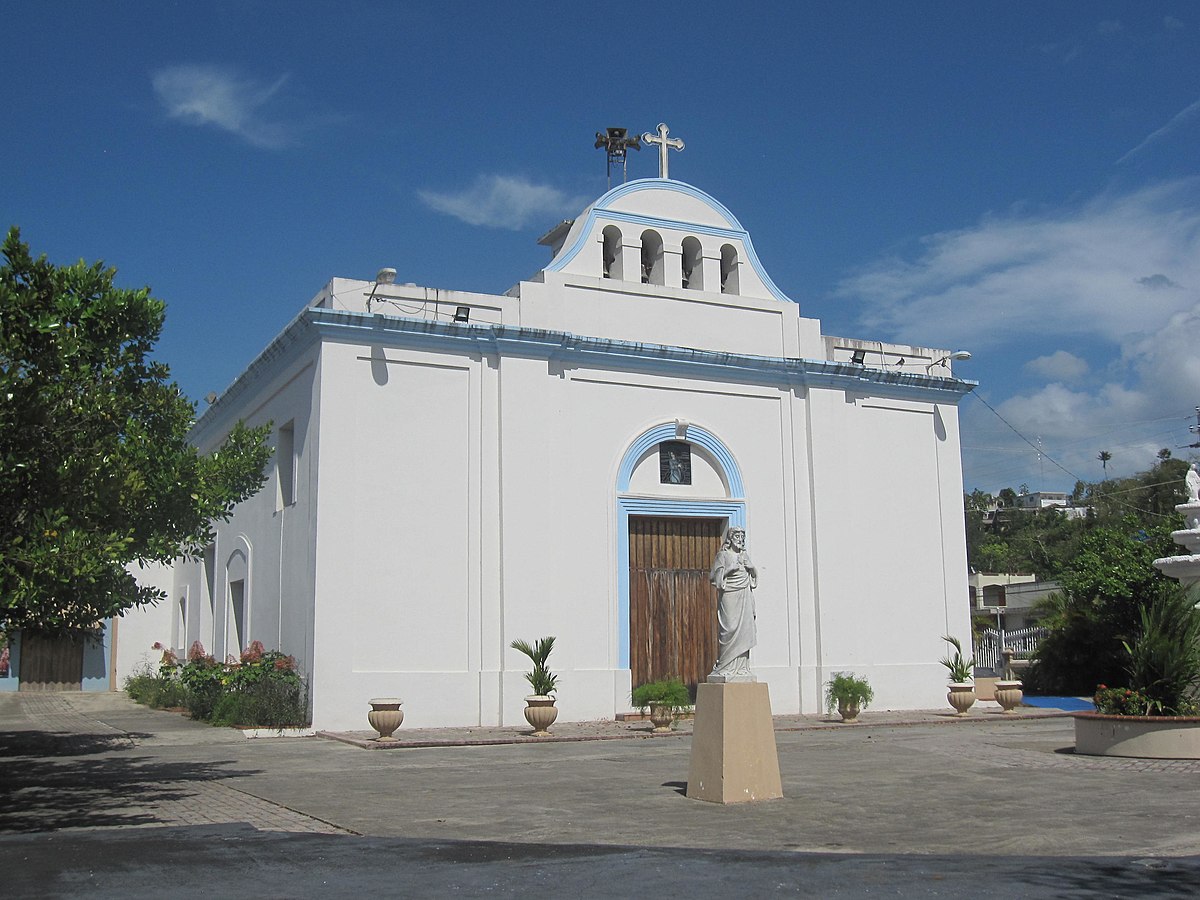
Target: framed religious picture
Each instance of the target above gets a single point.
(675, 462)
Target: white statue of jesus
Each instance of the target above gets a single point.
(735, 578)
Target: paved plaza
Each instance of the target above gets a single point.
(106, 798)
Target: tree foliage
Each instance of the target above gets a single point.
(1103, 561)
(95, 468)
(1105, 586)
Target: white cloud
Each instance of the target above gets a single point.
(1180, 118)
(1075, 272)
(1059, 366)
(218, 96)
(1114, 284)
(503, 201)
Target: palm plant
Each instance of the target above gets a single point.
(1104, 456)
(961, 670)
(1164, 659)
(541, 679)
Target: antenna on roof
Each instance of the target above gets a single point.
(617, 142)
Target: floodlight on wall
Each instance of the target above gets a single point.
(462, 314)
(957, 355)
(858, 357)
(386, 275)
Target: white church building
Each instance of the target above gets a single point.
(455, 470)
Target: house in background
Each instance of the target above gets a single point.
(455, 470)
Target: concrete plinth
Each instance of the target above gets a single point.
(734, 759)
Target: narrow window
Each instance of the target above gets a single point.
(612, 252)
(237, 617)
(729, 270)
(179, 631)
(209, 632)
(285, 465)
(652, 258)
(693, 268)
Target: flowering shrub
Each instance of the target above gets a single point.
(1122, 702)
(261, 688)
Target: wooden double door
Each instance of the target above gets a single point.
(672, 606)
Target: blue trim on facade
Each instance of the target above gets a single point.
(600, 209)
(695, 435)
(565, 347)
(732, 510)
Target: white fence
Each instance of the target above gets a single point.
(990, 644)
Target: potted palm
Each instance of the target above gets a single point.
(666, 698)
(962, 677)
(848, 692)
(540, 711)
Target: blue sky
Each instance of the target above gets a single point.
(1016, 179)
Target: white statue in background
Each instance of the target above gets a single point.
(1192, 482)
(735, 578)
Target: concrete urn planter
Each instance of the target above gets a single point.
(961, 696)
(1009, 694)
(385, 717)
(661, 716)
(540, 713)
(849, 711)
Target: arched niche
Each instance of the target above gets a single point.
(237, 598)
(729, 269)
(653, 263)
(693, 264)
(611, 250)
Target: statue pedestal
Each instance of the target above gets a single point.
(734, 759)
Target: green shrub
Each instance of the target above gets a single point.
(157, 691)
(269, 703)
(848, 689)
(670, 692)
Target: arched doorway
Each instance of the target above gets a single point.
(666, 544)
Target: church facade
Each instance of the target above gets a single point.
(453, 471)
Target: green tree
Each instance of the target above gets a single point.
(95, 468)
(1104, 456)
(1106, 583)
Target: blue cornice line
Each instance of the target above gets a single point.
(565, 348)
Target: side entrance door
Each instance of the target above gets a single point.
(672, 607)
(50, 663)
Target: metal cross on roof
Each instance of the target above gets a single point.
(664, 144)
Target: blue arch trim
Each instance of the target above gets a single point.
(695, 435)
(600, 209)
(732, 510)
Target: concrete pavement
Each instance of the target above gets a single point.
(105, 794)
